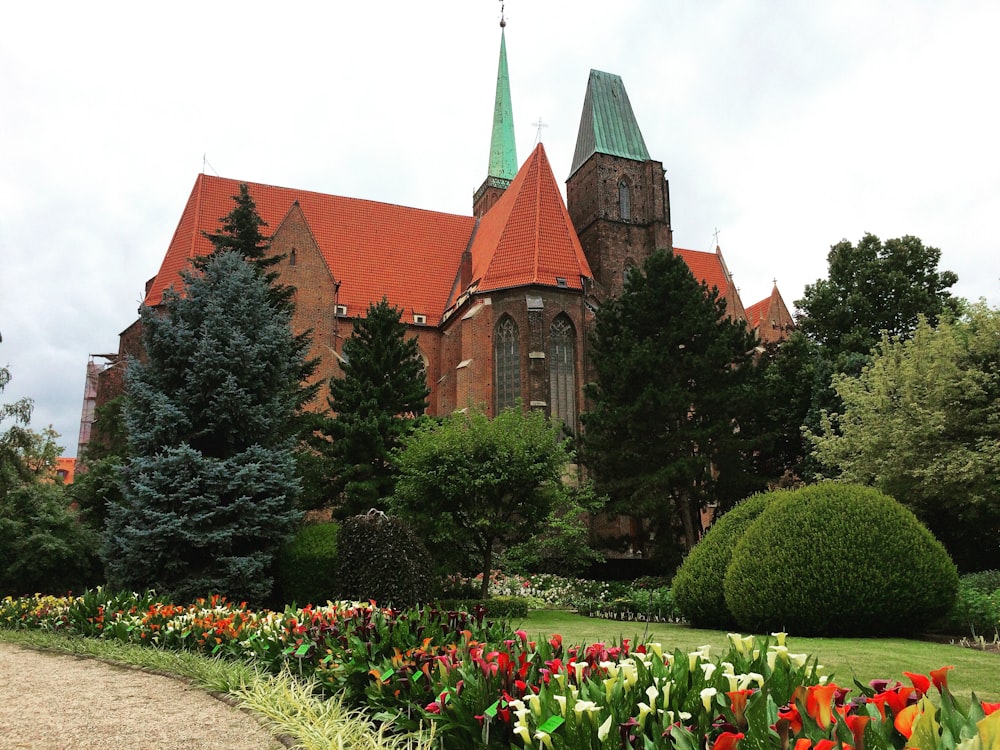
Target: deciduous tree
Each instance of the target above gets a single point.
(874, 287)
(922, 423)
(470, 483)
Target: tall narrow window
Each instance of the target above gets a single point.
(624, 201)
(506, 364)
(291, 257)
(562, 371)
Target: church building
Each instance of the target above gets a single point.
(500, 301)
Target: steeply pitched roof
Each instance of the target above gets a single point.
(607, 125)
(527, 237)
(503, 149)
(770, 317)
(711, 268)
(409, 255)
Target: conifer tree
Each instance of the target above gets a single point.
(241, 232)
(672, 383)
(376, 403)
(209, 484)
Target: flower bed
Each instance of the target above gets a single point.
(484, 686)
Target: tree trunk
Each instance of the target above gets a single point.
(687, 518)
(484, 591)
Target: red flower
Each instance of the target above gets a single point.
(920, 682)
(856, 724)
(989, 708)
(728, 741)
(819, 703)
(791, 714)
(898, 699)
(940, 678)
(738, 704)
(433, 708)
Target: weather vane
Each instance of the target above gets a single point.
(503, 21)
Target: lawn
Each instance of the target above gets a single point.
(846, 659)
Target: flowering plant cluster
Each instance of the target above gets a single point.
(485, 686)
(550, 589)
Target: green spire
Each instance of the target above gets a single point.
(503, 151)
(608, 125)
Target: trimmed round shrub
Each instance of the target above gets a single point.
(307, 565)
(838, 559)
(382, 558)
(697, 586)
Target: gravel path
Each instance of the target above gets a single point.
(60, 702)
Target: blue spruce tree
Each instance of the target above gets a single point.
(210, 484)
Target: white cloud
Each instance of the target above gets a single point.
(787, 126)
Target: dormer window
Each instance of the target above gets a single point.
(624, 201)
(560, 282)
(341, 310)
(420, 320)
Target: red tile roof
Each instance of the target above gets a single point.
(409, 255)
(711, 268)
(756, 311)
(527, 237)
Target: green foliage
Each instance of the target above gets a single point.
(788, 377)
(698, 585)
(470, 483)
(14, 439)
(921, 424)
(382, 559)
(837, 559)
(562, 542)
(43, 545)
(97, 483)
(976, 610)
(672, 376)
(496, 607)
(874, 287)
(241, 233)
(307, 565)
(376, 404)
(209, 485)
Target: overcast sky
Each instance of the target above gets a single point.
(787, 126)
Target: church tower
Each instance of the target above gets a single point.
(503, 151)
(617, 196)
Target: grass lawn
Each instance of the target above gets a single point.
(846, 659)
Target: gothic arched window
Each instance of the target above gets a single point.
(562, 371)
(624, 201)
(506, 364)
